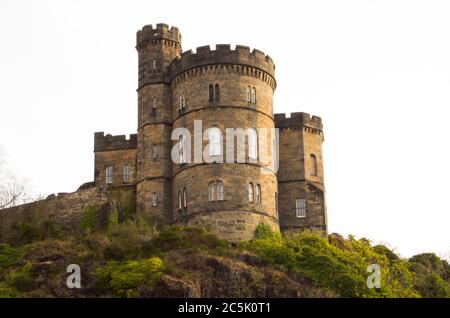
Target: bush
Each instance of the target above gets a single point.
(9, 256)
(21, 279)
(89, 219)
(124, 278)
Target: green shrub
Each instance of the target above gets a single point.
(89, 219)
(124, 278)
(21, 279)
(7, 291)
(9, 256)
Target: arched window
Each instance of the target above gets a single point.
(250, 192)
(252, 143)
(154, 199)
(182, 153)
(181, 102)
(248, 94)
(313, 165)
(214, 141)
(179, 201)
(184, 198)
(154, 103)
(258, 193)
(211, 191)
(216, 93)
(253, 99)
(220, 191)
(211, 93)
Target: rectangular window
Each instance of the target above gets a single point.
(211, 191)
(182, 150)
(220, 191)
(155, 199)
(184, 198)
(155, 155)
(258, 193)
(300, 208)
(126, 173)
(179, 201)
(109, 175)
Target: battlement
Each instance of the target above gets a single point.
(162, 31)
(298, 119)
(108, 142)
(223, 54)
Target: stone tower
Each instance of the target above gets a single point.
(157, 48)
(214, 94)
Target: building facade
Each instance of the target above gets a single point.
(218, 180)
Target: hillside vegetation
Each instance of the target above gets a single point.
(130, 257)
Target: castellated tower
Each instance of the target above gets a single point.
(157, 48)
(212, 94)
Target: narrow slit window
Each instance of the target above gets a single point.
(155, 199)
(211, 93)
(313, 165)
(184, 198)
(253, 97)
(214, 141)
(248, 94)
(182, 150)
(252, 143)
(180, 203)
(216, 93)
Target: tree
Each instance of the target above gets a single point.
(12, 190)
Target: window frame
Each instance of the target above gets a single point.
(109, 174)
(127, 173)
(300, 208)
(251, 193)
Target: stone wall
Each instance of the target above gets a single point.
(64, 210)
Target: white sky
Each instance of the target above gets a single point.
(377, 72)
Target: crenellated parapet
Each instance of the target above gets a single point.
(223, 55)
(298, 120)
(109, 142)
(161, 32)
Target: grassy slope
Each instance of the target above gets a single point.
(134, 259)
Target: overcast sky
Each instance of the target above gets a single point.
(377, 72)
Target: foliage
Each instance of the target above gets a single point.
(124, 278)
(9, 256)
(89, 219)
(21, 279)
(7, 291)
(343, 271)
(432, 275)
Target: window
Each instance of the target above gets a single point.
(220, 191)
(154, 65)
(211, 93)
(313, 165)
(300, 208)
(126, 173)
(253, 97)
(154, 103)
(184, 198)
(214, 141)
(248, 94)
(181, 101)
(250, 192)
(109, 174)
(258, 193)
(214, 93)
(179, 201)
(211, 191)
(252, 143)
(155, 154)
(182, 153)
(276, 201)
(155, 199)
